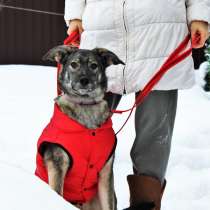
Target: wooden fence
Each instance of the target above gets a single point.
(29, 28)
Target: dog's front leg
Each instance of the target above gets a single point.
(106, 191)
(57, 163)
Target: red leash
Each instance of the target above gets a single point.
(73, 39)
(178, 55)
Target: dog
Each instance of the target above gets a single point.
(81, 112)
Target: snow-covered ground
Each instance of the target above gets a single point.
(27, 94)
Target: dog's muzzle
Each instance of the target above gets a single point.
(83, 86)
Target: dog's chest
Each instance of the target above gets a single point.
(91, 116)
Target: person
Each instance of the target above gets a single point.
(143, 34)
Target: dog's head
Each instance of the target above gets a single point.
(83, 71)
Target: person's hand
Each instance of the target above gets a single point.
(75, 25)
(199, 33)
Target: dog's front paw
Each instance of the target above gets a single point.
(142, 206)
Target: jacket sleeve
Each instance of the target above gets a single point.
(74, 9)
(198, 10)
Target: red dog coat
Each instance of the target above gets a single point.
(89, 149)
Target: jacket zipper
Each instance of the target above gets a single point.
(126, 47)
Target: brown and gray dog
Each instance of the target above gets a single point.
(83, 82)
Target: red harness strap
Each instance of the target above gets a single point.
(178, 55)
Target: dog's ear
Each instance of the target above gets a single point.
(59, 53)
(108, 57)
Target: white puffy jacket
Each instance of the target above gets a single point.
(142, 33)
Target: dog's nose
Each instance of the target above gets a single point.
(84, 81)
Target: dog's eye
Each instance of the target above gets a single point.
(93, 66)
(74, 65)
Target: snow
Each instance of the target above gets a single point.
(27, 94)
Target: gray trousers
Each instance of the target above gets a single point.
(154, 123)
